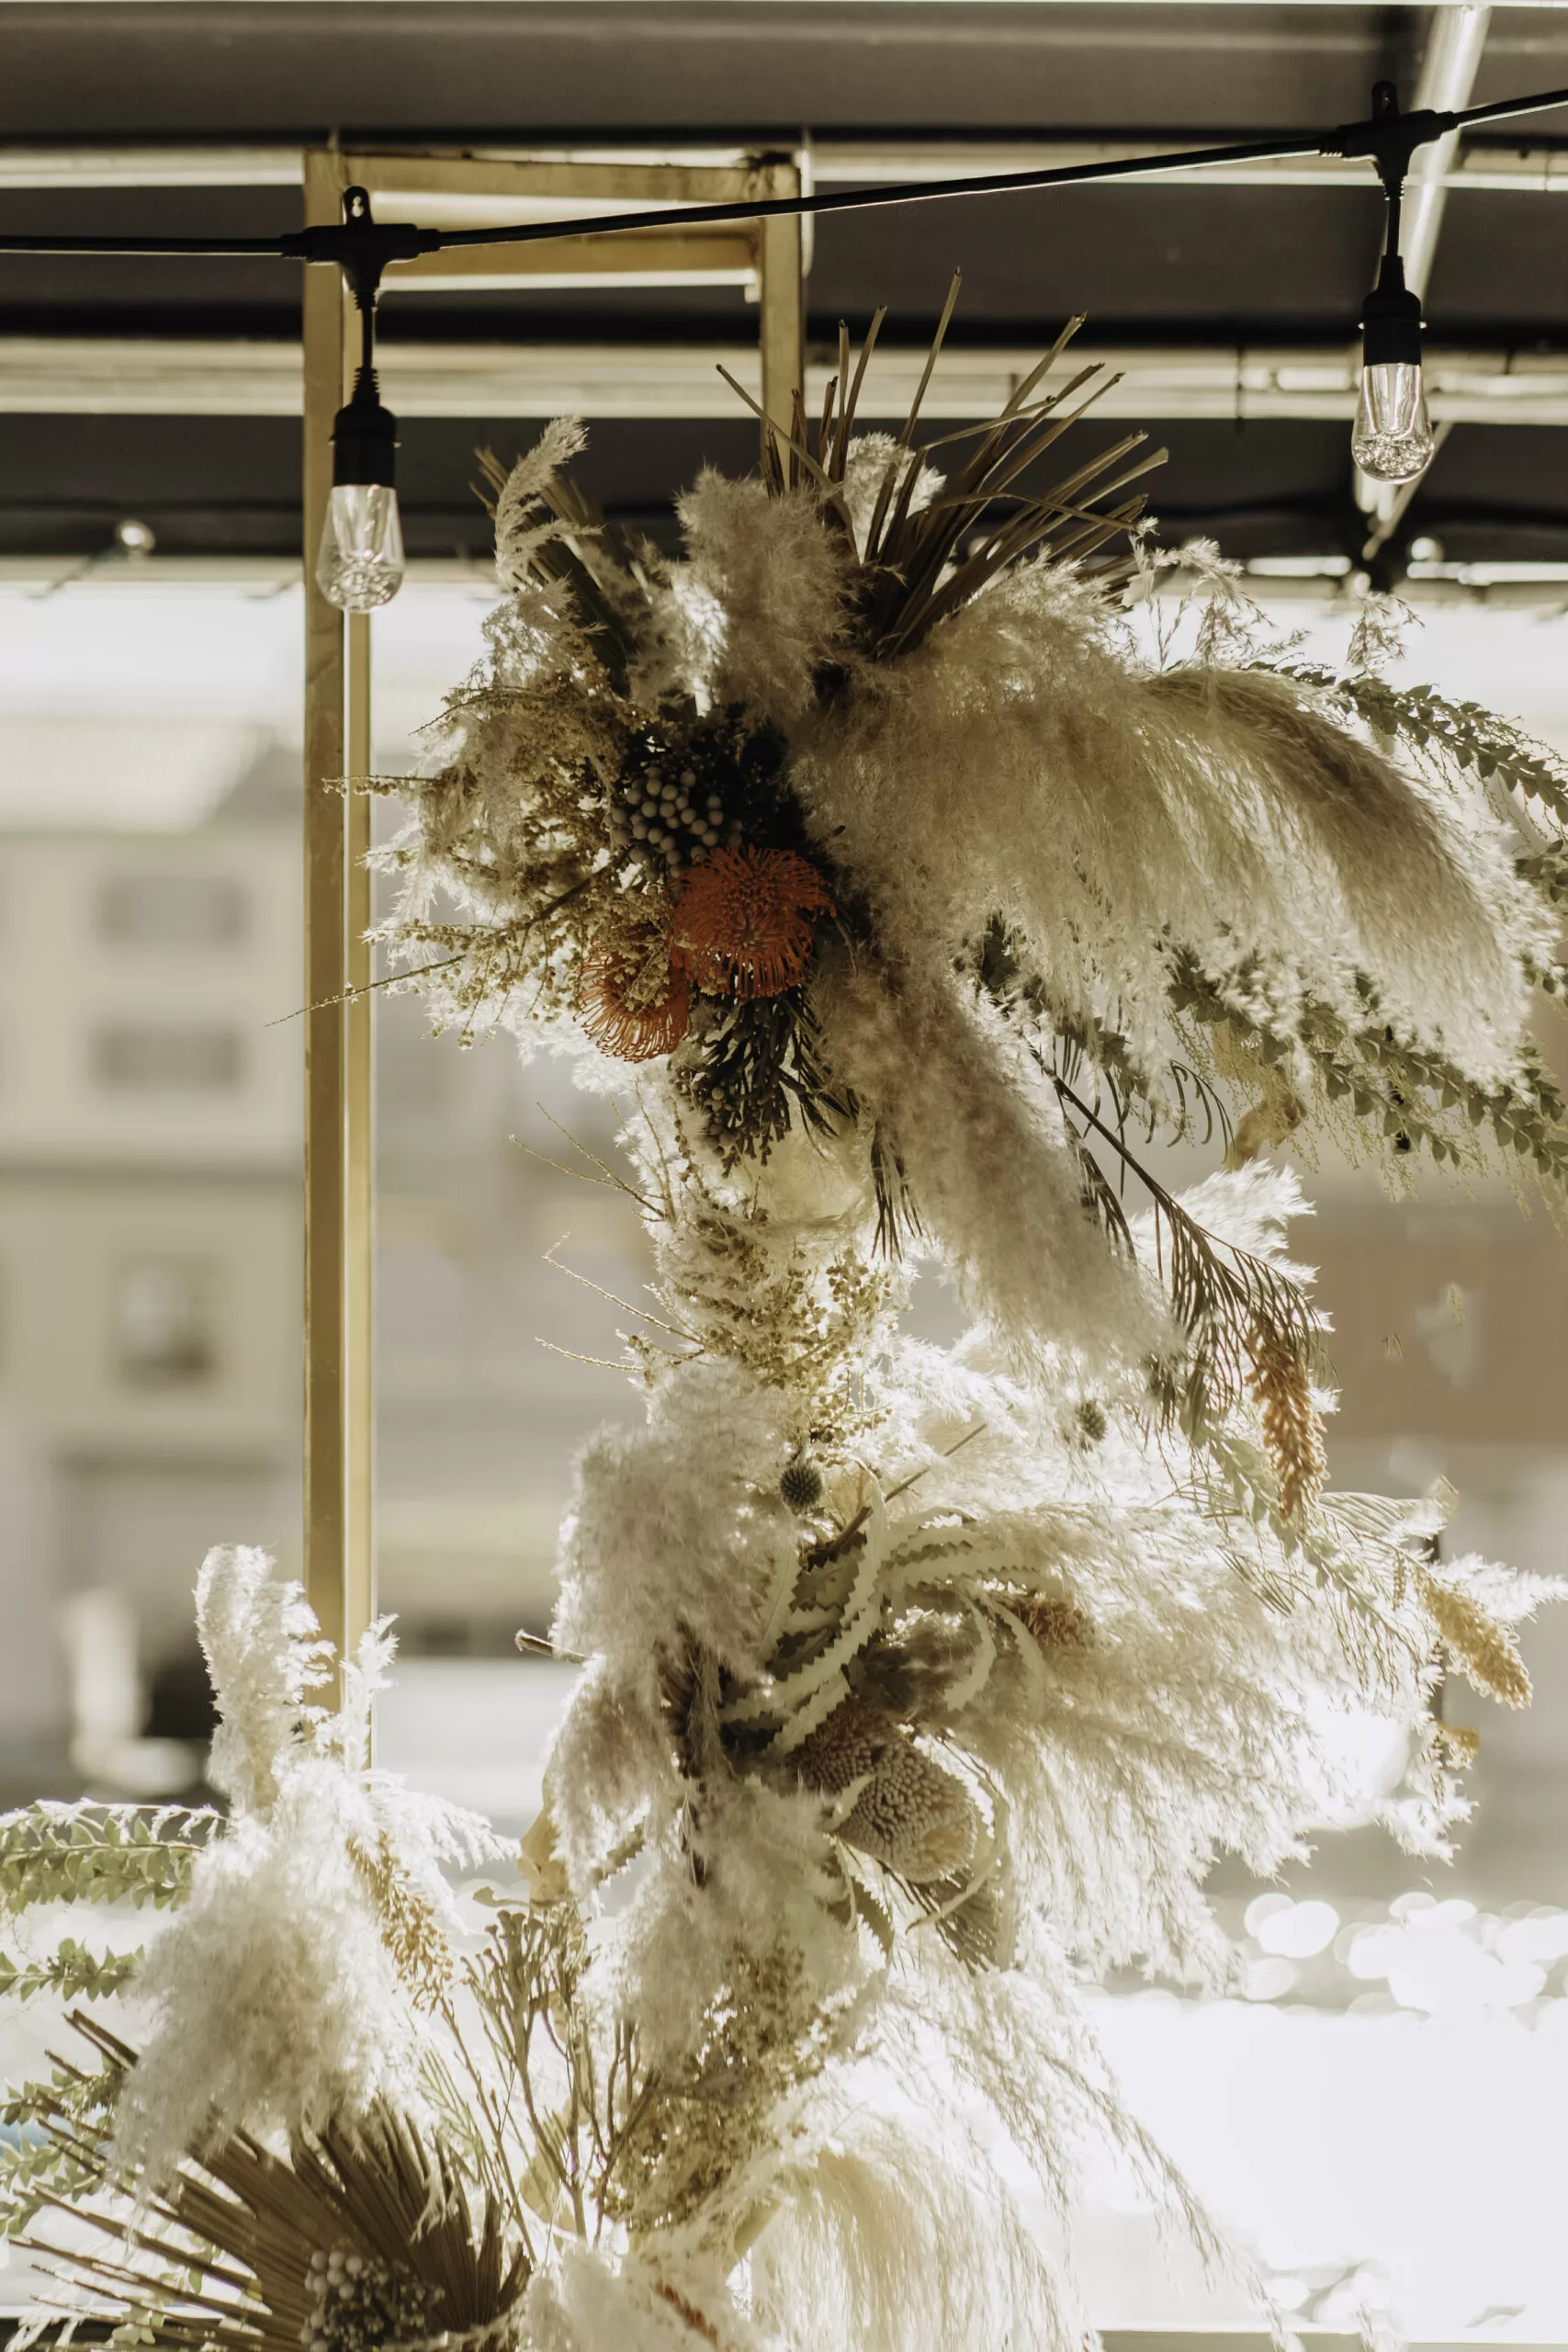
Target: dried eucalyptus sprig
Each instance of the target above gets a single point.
(1396, 1093)
(1471, 737)
(89, 1852)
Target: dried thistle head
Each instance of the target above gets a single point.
(745, 921)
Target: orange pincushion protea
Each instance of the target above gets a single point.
(745, 918)
(634, 998)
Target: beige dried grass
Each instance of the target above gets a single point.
(1482, 1648)
(1293, 1428)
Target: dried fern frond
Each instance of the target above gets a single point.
(1231, 1304)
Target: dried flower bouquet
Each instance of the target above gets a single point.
(909, 902)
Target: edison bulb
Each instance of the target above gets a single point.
(1392, 440)
(361, 559)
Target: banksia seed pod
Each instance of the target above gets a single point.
(911, 1814)
(801, 1485)
(1056, 1625)
(847, 1746)
(914, 1816)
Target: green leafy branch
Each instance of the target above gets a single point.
(54, 2142)
(1474, 739)
(71, 1972)
(94, 1853)
(1400, 1093)
(1183, 1100)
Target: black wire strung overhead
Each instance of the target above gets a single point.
(362, 553)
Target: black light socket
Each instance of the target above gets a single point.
(1390, 319)
(365, 437)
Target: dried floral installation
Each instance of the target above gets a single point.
(906, 902)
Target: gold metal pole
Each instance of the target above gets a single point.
(779, 299)
(325, 973)
(359, 1137)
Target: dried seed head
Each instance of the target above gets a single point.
(1291, 1429)
(1056, 1625)
(1456, 1744)
(1480, 1648)
(1089, 1416)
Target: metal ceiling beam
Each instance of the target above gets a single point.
(1479, 168)
(114, 376)
(1449, 68)
(1447, 76)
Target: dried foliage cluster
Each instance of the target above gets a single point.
(908, 903)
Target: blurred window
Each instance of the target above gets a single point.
(164, 1321)
(173, 909)
(168, 1056)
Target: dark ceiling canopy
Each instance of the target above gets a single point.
(1210, 266)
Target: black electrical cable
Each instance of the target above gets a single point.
(363, 247)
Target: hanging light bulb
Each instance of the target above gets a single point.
(360, 564)
(1392, 439)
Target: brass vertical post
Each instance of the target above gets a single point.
(781, 294)
(359, 1132)
(325, 972)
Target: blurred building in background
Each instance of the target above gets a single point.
(149, 1195)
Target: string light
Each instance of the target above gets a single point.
(360, 561)
(1392, 438)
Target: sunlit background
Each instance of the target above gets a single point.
(1378, 2112)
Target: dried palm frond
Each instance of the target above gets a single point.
(355, 2237)
(922, 557)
